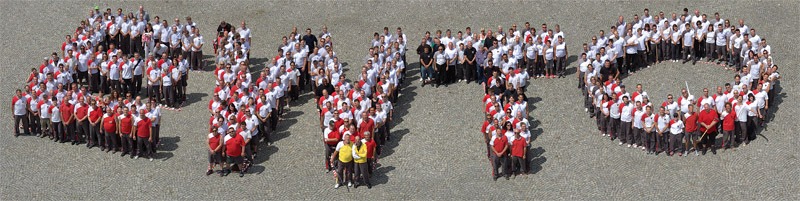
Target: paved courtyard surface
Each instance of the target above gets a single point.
(436, 151)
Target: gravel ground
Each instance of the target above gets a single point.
(435, 152)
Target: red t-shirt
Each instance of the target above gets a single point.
(143, 128)
(66, 112)
(518, 147)
(707, 117)
(366, 125)
(109, 124)
(334, 134)
(233, 147)
(500, 142)
(728, 122)
(691, 123)
(82, 111)
(213, 142)
(125, 125)
(371, 148)
(95, 114)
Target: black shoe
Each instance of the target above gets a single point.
(369, 186)
(507, 177)
(704, 152)
(209, 172)
(241, 174)
(495, 178)
(714, 151)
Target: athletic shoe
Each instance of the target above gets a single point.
(136, 157)
(336, 186)
(620, 143)
(349, 184)
(151, 159)
(629, 146)
(209, 172)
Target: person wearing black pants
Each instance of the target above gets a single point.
(469, 62)
(499, 145)
(440, 65)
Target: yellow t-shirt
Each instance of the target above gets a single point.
(346, 153)
(362, 152)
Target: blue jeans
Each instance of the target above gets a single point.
(426, 72)
(480, 76)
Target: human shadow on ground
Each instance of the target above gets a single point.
(166, 147)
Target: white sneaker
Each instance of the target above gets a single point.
(349, 184)
(585, 109)
(420, 79)
(629, 146)
(648, 66)
(136, 157)
(336, 186)
(620, 143)
(642, 148)
(151, 159)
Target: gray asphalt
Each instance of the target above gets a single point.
(436, 151)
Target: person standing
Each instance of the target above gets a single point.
(144, 127)
(676, 131)
(519, 151)
(19, 105)
(96, 137)
(688, 44)
(708, 119)
(234, 149)
(214, 149)
(81, 117)
(626, 109)
(197, 49)
(344, 167)
(359, 152)
(728, 117)
(691, 130)
(125, 129)
(109, 121)
(499, 144)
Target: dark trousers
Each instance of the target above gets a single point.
(24, 120)
(630, 63)
(137, 85)
(362, 173)
(94, 83)
(650, 138)
(722, 54)
(660, 141)
(727, 139)
(104, 84)
(676, 52)
(450, 76)
(460, 68)
(111, 141)
(136, 45)
(127, 143)
(675, 142)
(344, 172)
(688, 51)
(33, 124)
(114, 85)
(273, 122)
(144, 147)
(125, 43)
(710, 140)
(469, 72)
(58, 130)
(539, 64)
(581, 83)
(156, 138)
(636, 136)
(328, 152)
(520, 164)
(95, 136)
(441, 74)
(155, 93)
(561, 65)
(127, 86)
(197, 58)
(742, 133)
(625, 134)
(709, 51)
(642, 59)
(69, 131)
(612, 128)
(83, 131)
(169, 95)
(500, 162)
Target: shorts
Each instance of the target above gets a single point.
(235, 160)
(214, 158)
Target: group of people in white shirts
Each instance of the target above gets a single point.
(356, 117)
(737, 109)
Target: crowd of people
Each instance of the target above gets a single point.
(737, 109)
(468, 56)
(503, 62)
(356, 116)
(92, 93)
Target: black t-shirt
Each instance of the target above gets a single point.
(470, 53)
(606, 71)
(225, 27)
(489, 42)
(421, 49)
(310, 40)
(426, 58)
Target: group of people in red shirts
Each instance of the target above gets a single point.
(356, 116)
(737, 109)
(79, 98)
